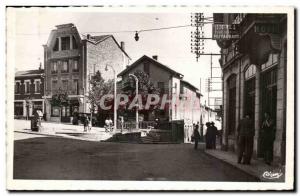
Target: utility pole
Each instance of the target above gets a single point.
(136, 95)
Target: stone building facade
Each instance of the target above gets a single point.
(70, 59)
(254, 62)
(29, 92)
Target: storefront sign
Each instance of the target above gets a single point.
(266, 28)
(223, 31)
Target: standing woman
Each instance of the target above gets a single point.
(268, 138)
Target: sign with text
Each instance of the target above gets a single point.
(224, 31)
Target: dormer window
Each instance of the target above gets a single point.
(56, 45)
(65, 43)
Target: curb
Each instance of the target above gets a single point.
(258, 177)
(224, 161)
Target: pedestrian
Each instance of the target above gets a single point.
(208, 136)
(245, 140)
(214, 133)
(106, 125)
(196, 135)
(268, 137)
(85, 123)
(110, 124)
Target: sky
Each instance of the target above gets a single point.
(29, 29)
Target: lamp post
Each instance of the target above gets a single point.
(115, 95)
(136, 94)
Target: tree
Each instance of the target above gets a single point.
(98, 88)
(145, 87)
(60, 99)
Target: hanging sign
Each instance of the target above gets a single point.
(224, 31)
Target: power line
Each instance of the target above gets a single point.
(126, 31)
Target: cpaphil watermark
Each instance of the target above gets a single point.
(146, 102)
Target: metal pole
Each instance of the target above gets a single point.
(115, 101)
(136, 94)
(137, 105)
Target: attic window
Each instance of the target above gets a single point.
(65, 43)
(75, 46)
(55, 48)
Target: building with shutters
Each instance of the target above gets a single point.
(254, 63)
(70, 59)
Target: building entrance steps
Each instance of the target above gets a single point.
(257, 168)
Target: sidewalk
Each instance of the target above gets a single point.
(258, 168)
(63, 130)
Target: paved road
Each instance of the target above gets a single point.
(61, 158)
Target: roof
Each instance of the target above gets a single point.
(92, 39)
(25, 73)
(189, 84)
(143, 58)
(101, 38)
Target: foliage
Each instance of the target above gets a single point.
(98, 88)
(145, 87)
(60, 99)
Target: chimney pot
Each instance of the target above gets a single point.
(155, 57)
(88, 36)
(122, 45)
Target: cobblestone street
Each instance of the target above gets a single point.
(40, 157)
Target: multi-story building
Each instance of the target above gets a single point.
(254, 62)
(29, 92)
(184, 97)
(70, 59)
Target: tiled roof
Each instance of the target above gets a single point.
(136, 63)
(29, 72)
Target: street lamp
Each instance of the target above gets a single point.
(115, 95)
(136, 94)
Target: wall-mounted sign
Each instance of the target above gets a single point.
(224, 31)
(267, 28)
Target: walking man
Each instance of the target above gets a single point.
(85, 123)
(196, 135)
(245, 140)
(208, 136)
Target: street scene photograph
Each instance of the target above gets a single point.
(150, 95)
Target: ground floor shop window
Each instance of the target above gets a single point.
(65, 111)
(55, 111)
(18, 108)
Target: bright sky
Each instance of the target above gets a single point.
(33, 26)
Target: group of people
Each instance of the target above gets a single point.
(245, 138)
(210, 136)
(108, 125)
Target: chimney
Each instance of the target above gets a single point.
(155, 57)
(88, 36)
(122, 45)
(40, 68)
